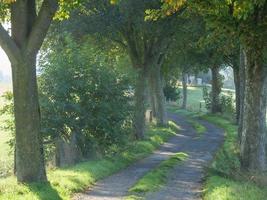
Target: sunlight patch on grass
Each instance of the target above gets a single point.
(199, 128)
(65, 182)
(226, 163)
(157, 177)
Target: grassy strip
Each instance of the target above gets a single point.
(65, 182)
(227, 163)
(199, 128)
(156, 178)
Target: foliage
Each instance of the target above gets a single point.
(226, 101)
(6, 137)
(207, 97)
(171, 92)
(81, 92)
(67, 181)
(8, 110)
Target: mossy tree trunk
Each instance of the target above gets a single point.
(253, 137)
(216, 90)
(29, 149)
(140, 108)
(160, 98)
(152, 97)
(184, 83)
(241, 91)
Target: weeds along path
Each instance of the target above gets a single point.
(184, 181)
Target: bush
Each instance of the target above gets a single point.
(171, 92)
(81, 93)
(226, 101)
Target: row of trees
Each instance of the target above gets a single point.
(159, 38)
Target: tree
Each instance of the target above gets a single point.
(28, 30)
(84, 100)
(247, 19)
(145, 41)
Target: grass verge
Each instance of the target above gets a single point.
(156, 178)
(199, 128)
(220, 184)
(63, 183)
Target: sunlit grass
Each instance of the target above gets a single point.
(226, 164)
(67, 181)
(199, 128)
(157, 177)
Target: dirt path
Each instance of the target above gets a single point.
(184, 182)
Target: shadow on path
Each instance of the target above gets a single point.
(185, 180)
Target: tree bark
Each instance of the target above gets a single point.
(216, 90)
(237, 92)
(158, 94)
(152, 98)
(184, 83)
(28, 33)
(67, 152)
(29, 149)
(253, 156)
(241, 92)
(140, 109)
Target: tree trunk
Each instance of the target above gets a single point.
(254, 119)
(184, 83)
(241, 92)
(216, 90)
(29, 149)
(237, 92)
(157, 82)
(152, 98)
(67, 152)
(140, 109)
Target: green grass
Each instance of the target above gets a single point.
(221, 183)
(220, 188)
(195, 98)
(199, 128)
(157, 177)
(67, 181)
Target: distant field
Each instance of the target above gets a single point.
(195, 101)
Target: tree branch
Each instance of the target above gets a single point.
(9, 46)
(41, 25)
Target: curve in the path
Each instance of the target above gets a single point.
(184, 183)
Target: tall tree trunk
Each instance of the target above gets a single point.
(253, 156)
(184, 83)
(152, 97)
(237, 92)
(241, 91)
(28, 32)
(140, 109)
(216, 90)
(29, 149)
(157, 82)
